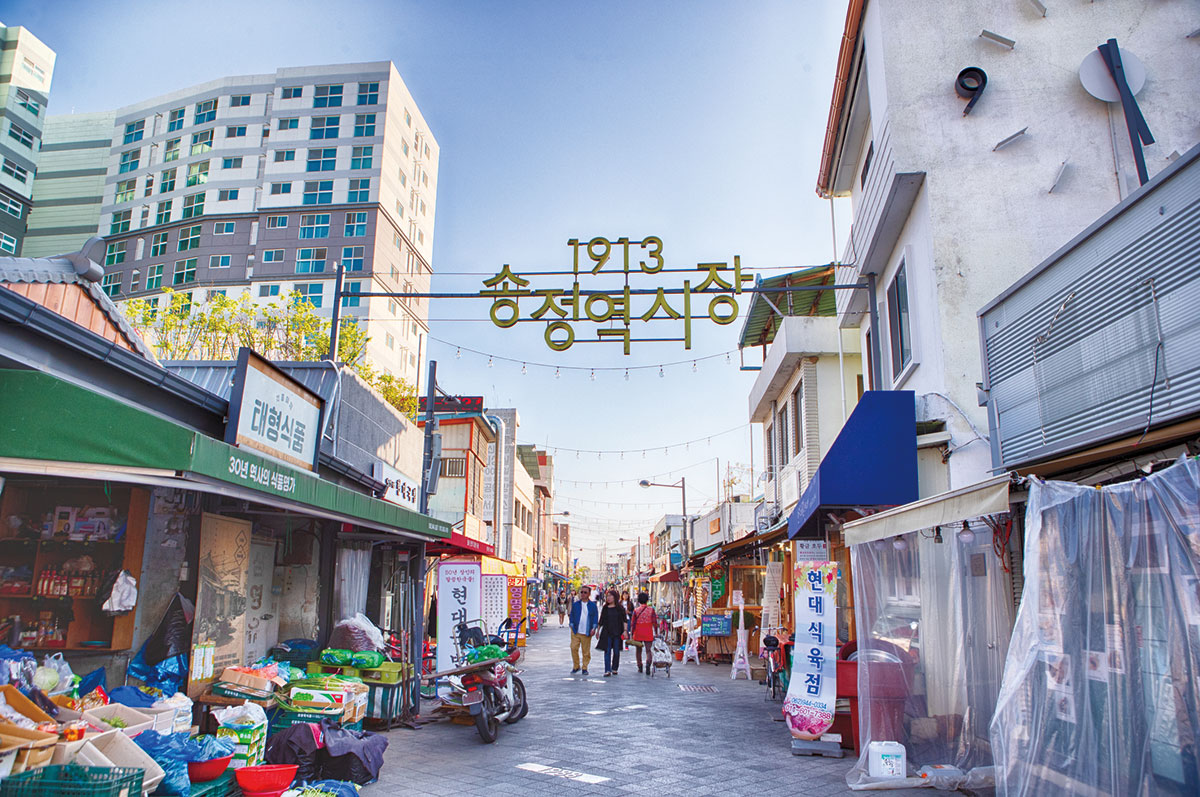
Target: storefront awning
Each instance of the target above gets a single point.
(671, 576)
(873, 462)
(985, 498)
(51, 426)
(459, 544)
(700, 552)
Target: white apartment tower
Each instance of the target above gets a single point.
(26, 69)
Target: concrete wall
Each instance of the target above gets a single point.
(369, 428)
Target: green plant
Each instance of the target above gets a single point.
(751, 619)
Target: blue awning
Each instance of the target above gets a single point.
(873, 462)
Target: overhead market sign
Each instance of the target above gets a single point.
(593, 298)
(273, 413)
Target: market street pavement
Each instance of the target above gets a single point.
(641, 735)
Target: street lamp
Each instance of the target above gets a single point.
(682, 487)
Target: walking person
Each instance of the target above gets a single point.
(584, 620)
(627, 605)
(562, 607)
(643, 624)
(612, 632)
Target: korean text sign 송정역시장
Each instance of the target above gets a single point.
(812, 692)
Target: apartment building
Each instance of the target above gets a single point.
(26, 69)
(265, 183)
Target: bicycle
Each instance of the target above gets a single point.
(778, 674)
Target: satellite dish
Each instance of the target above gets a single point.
(1094, 75)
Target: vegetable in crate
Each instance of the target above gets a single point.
(367, 659)
(339, 657)
(115, 722)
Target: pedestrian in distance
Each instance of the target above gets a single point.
(643, 624)
(612, 632)
(562, 607)
(627, 605)
(585, 618)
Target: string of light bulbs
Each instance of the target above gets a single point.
(654, 477)
(685, 445)
(592, 370)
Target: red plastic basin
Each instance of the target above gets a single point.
(266, 777)
(202, 771)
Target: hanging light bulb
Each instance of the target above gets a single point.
(524, 369)
(556, 374)
(458, 353)
(489, 362)
(643, 453)
(937, 535)
(593, 375)
(965, 535)
(660, 372)
(626, 374)
(694, 367)
(727, 358)
(899, 543)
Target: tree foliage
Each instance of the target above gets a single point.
(287, 330)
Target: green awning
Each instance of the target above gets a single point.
(706, 549)
(763, 320)
(47, 419)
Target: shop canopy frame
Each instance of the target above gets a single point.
(53, 427)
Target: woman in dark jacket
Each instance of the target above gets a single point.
(612, 632)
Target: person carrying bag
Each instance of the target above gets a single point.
(643, 623)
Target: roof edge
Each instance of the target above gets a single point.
(837, 103)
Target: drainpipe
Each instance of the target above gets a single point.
(498, 426)
(772, 468)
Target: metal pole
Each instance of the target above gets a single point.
(331, 355)
(427, 458)
(876, 355)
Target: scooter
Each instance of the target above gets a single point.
(487, 691)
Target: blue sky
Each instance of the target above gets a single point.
(700, 122)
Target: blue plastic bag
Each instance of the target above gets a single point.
(206, 748)
(169, 751)
(130, 696)
(335, 788)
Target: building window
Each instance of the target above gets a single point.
(322, 160)
(318, 193)
(283, 155)
(226, 194)
(289, 124)
(898, 321)
(324, 127)
(126, 191)
(171, 152)
(239, 100)
(798, 418)
(399, 208)
(24, 137)
(189, 238)
(197, 173)
(168, 181)
(368, 93)
(193, 205)
(407, 119)
(404, 146)
(218, 261)
(395, 275)
(114, 253)
(154, 276)
(314, 225)
(28, 103)
(133, 281)
(10, 206)
(364, 124)
(201, 142)
(120, 222)
(268, 290)
(356, 225)
(360, 189)
(352, 258)
(456, 467)
(352, 301)
(292, 92)
(272, 256)
(281, 188)
(422, 207)
(327, 97)
(420, 236)
(360, 157)
(205, 112)
(392, 306)
(158, 244)
(235, 131)
(185, 271)
(403, 179)
(781, 428)
(389, 341)
(862, 178)
(224, 228)
(311, 292)
(129, 160)
(111, 284)
(231, 163)
(310, 261)
(276, 222)
(175, 120)
(134, 131)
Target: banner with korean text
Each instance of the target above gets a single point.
(459, 601)
(812, 692)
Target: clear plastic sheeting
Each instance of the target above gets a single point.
(353, 575)
(1102, 685)
(933, 617)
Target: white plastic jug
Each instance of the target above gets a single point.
(886, 760)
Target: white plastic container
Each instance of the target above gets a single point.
(886, 760)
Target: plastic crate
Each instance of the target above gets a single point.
(317, 668)
(74, 781)
(296, 658)
(221, 787)
(389, 672)
(280, 718)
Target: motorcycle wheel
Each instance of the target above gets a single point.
(520, 703)
(485, 721)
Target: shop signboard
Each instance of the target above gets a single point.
(399, 489)
(495, 600)
(716, 624)
(219, 625)
(811, 550)
(718, 584)
(809, 705)
(273, 413)
(517, 586)
(459, 601)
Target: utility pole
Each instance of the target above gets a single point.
(335, 327)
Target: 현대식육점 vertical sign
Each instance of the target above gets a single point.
(812, 692)
(459, 601)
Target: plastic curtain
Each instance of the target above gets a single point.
(353, 573)
(1102, 685)
(933, 619)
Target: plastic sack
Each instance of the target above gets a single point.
(367, 659)
(299, 745)
(247, 715)
(66, 677)
(10, 714)
(17, 667)
(356, 633)
(96, 678)
(332, 788)
(356, 756)
(130, 696)
(336, 656)
(39, 699)
(206, 748)
(123, 596)
(169, 751)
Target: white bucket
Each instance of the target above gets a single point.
(886, 760)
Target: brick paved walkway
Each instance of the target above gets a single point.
(643, 734)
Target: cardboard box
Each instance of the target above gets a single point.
(23, 705)
(124, 752)
(164, 718)
(232, 676)
(35, 749)
(82, 752)
(305, 697)
(135, 721)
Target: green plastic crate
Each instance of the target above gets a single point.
(389, 672)
(317, 668)
(221, 787)
(74, 781)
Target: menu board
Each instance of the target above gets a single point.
(516, 605)
(716, 625)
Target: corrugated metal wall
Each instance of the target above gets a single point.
(1074, 354)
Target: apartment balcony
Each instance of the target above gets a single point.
(798, 337)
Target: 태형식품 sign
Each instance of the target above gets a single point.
(812, 692)
(273, 413)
